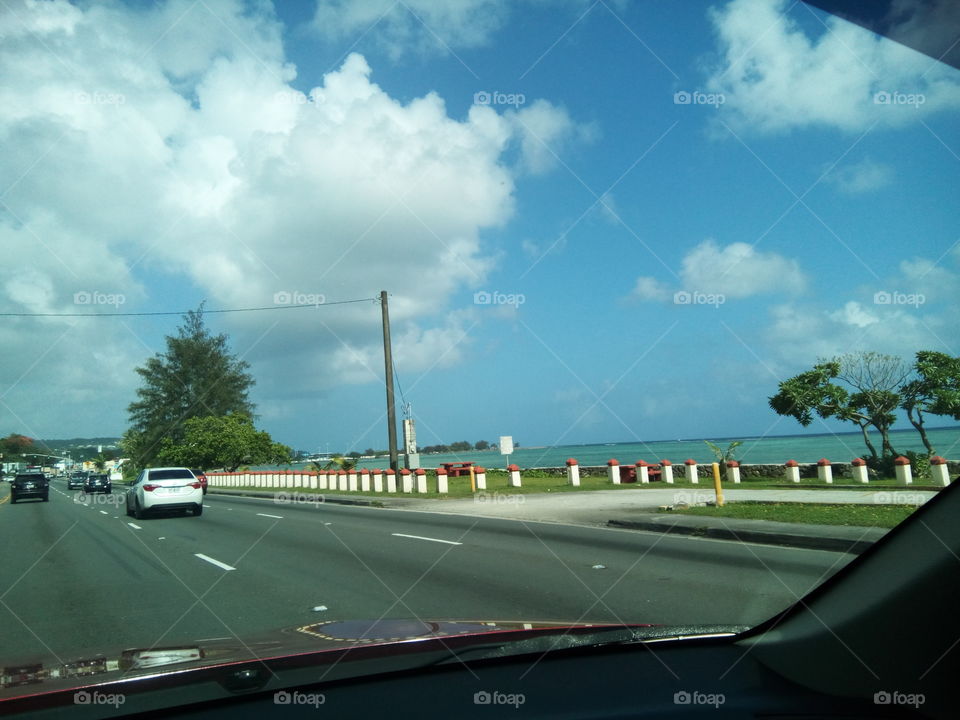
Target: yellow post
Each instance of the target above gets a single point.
(473, 481)
(717, 488)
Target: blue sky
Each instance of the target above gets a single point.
(228, 152)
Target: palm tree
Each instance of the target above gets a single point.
(339, 462)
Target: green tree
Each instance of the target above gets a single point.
(869, 396)
(934, 390)
(724, 456)
(339, 462)
(482, 445)
(226, 441)
(196, 376)
(15, 445)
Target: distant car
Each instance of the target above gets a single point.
(26, 485)
(168, 488)
(98, 483)
(76, 481)
(201, 476)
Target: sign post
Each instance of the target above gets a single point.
(506, 446)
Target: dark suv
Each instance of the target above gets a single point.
(98, 483)
(26, 485)
(76, 481)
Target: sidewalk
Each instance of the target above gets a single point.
(638, 511)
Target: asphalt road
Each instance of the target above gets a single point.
(80, 576)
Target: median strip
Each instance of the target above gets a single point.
(418, 537)
(222, 566)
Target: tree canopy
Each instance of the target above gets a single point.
(196, 376)
(227, 442)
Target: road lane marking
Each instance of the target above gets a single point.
(135, 527)
(104, 512)
(419, 537)
(277, 517)
(210, 560)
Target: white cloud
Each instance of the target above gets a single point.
(198, 161)
(854, 314)
(738, 270)
(775, 77)
(649, 288)
(861, 177)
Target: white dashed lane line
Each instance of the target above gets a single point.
(135, 527)
(277, 517)
(222, 566)
(418, 537)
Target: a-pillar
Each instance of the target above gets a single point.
(442, 487)
(573, 472)
(667, 471)
(613, 471)
(901, 466)
(733, 472)
(859, 467)
(939, 473)
(825, 471)
(793, 471)
(690, 468)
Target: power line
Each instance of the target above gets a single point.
(184, 312)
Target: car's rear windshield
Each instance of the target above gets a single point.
(171, 475)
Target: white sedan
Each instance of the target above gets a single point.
(160, 489)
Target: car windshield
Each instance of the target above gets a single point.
(641, 314)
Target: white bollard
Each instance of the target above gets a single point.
(690, 470)
(667, 471)
(365, 480)
(939, 473)
(391, 480)
(406, 482)
(297, 479)
(514, 471)
(322, 479)
(378, 480)
(643, 472)
(313, 480)
(442, 486)
(342, 480)
(481, 476)
(901, 466)
(573, 472)
(859, 467)
(352, 479)
(421, 477)
(825, 471)
(613, 471)
(733, 472)
(793, 471)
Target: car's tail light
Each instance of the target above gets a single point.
(150, 486)
(196, 485)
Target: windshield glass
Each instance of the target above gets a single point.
(492, 310)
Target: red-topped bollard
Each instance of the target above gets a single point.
(667, 470)
(690, 468)
(733, 472)
(377, 480)
(312, 479)
(901, 467)
(421, 477)
(352, 479)
(573, 472)
(793, 471)
(514, 472)
(364, 480)
(442, 486)
(480, 475)
(859, 469)
(939, 473)
(406, 480)
(613, 471)
(643, 471)
(825, 471)
(342, 480)
(391, 480)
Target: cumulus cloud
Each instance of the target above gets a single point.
(127, 171)
(776, 77)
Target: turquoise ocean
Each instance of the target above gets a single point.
(838, 447)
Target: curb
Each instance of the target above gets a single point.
(809, 542)
(335, 499)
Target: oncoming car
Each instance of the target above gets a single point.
(164, 489)
(98, 484)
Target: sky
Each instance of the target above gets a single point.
(597, 221)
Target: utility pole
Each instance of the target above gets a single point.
(388, 379)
